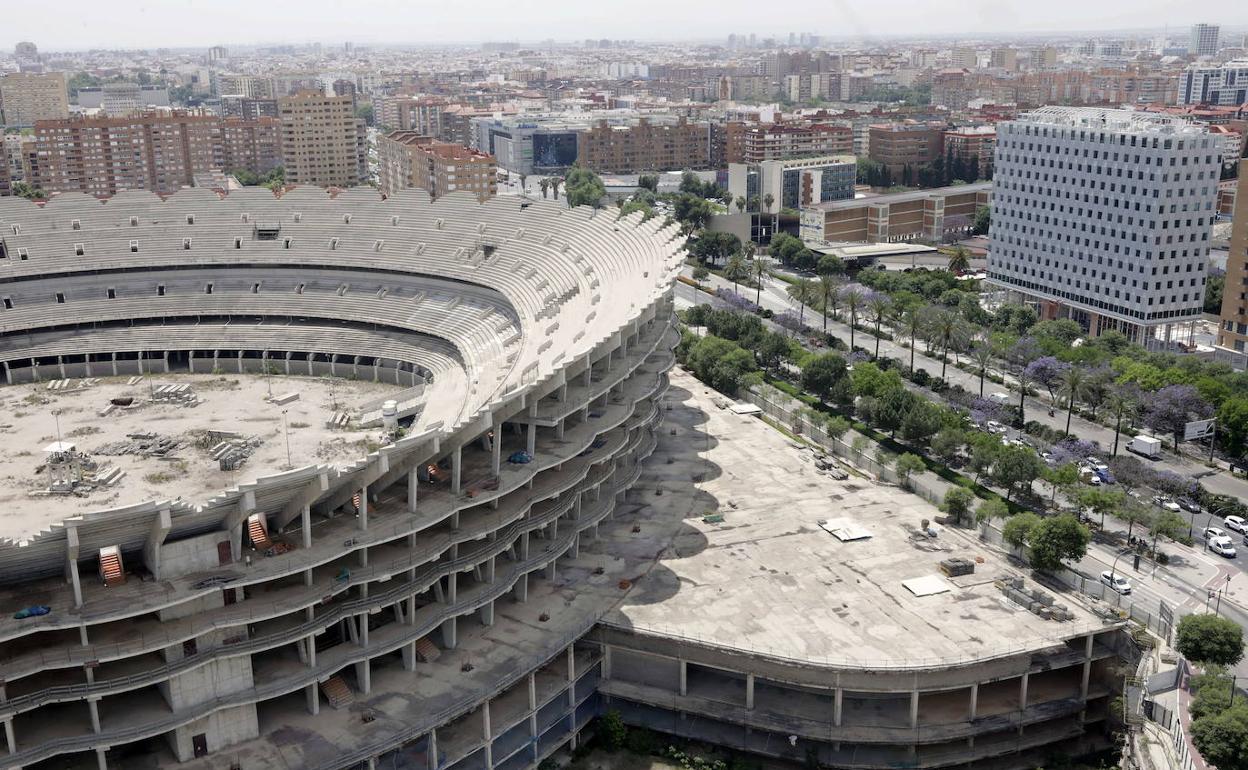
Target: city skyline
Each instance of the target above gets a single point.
(392, 23)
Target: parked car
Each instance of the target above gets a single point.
(1212, 532)
(1116, 582)
(995, 427)
(1222, 546)
(1236, 524)
(1048, 457)
(1166, 503)
(1188, 504)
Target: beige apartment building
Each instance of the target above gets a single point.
(161, 152)
(644, 146)
(911, 143)
(408, 159)
(1233, 332)
(755, 143)
(323, 142)
(411, 113)
(26, 98)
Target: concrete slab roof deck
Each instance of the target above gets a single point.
(231, 403)
(769, 580)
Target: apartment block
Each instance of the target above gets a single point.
(973, 144)
(795, 183)
(408, 159)
(644, 146)
(27, 98)
(1204, 40)
(1004, 58)
(6, 181)
(161, 152)
(757, 142)
(409, 113)
(1222, 85)
(951, 88)
(1104, 217)
(909, 143)
(813, 85)
(248, 108)
(1233, 332)
(323, 142)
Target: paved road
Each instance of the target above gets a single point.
(775, 298)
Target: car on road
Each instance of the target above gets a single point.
(1116, 582)
(1166, 503)
(995, 427)
(1221, 546)
(1048, 457)
(1188, 504)
(1236, 524)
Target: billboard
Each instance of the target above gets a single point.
(554, 150)
(1197, 429)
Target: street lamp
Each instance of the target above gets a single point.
(1113, 569)
(1226, 587)
(286, 430)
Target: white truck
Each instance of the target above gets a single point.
(1146, 446)
(1004, 399)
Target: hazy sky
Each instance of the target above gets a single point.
(78, 24)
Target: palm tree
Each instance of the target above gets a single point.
(740, 203)
(829, 286)
(545, 185)
(878, 304)
(959, 260)
(554, 186)
(759, 268)
(1121, 404)
(802, 291)
(736, 270)
(983, 355)
(853, 298)
(768, 200)
(523, 178)
(1073, 381)
(947, 331)
(911, 322)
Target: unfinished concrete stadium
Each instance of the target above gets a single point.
(328, 480)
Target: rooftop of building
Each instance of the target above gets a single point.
(1098, 118)
(447, 150)
(904, 197)
(753, 568)
(162, 444)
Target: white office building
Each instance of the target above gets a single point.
(1104, 216)
(1204, 40)
(1224, 85)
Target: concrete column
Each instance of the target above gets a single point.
(101, 758)
(305, 518)
(684, 677)
(409, 656)
(559, 428)
(1087, 668)
(487, 614)
(71, 563)
(310, 642)
(606, 661)
(1022, 691)
(974, 701)
(432, 746)
(532, 691)
(531, 446)
(487, 733)
(364, 676)
(413, 484)
(363, 514)
(521, 589)
(93, 704)
(749, 691)
(572, 681)
(496, 451)
(837, 706)
(456, 467)
(10, 736)
(914, 709)
(313, 694)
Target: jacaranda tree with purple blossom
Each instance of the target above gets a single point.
(1171, 408)
(1047, 371)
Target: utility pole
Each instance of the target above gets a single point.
(286, 430)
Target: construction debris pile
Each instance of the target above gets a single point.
(141, 445)
(56, 385)
(178, 395)
(1036, 601)
(70, 472)
(228, 448)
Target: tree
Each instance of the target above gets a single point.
(1071, 384)
(1223, 739)
(907, 465)
(583, 188)
(852, 297)
(771, 350)
(524, 186)
(736, 270)
(821, 373)
(911, 323)
(759, 268)
(1019, 527)
(983, 354)
(1169, 410)
(545, 185)
(1167, 523)
(1099, 500)
(803, 292)
(1056, 540)
(1135, 513)
(1203, 638)
(1015, 468)
(957, 503)
(985, 449)
(1062, 477)
(947, 443)
(946, 331)
(959, 260)
(1233, 425)
(836, 426)
(740, 202)
(870, 381)
(701, 273)
(713, 247)
(1215, 284)
(829, 264)
(983, 219)
(1047, 371)
(922, 420)
(554, 187)
(829, 287)
(768, 201)
(1122, 405)
(992, 508)
(613, 731)
(720, 363)
(648, 182)
(878, 305)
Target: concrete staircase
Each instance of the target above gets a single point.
(256, 532)
(426, 650)
(337, 692)
(111, 571)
